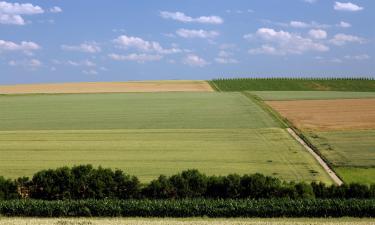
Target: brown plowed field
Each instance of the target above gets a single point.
(329, 115)
(108, 87)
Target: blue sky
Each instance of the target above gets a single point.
(97, 40)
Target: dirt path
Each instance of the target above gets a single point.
(330, 172)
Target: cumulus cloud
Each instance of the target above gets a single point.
(86, 63)
(343, 24)
(347, 6)
(127, 42)
(140, 58)
(90, 72)
(283, 43)
(358, 57)
(310, 1)
(225, 57)
(343, 39)
(181, 17)
(318, 34)
(186, 33)
(26, 47)
(11, 13)
(194, 61)
(30, 63)
(301, 24)
(55, 9)
(87, 47)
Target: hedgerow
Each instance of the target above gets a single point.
(85, 182)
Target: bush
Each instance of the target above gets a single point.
(8, 189)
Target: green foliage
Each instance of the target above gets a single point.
(86, 182)
(295, 84)
(191, 208)
(8, 189)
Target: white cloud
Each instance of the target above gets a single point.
(358, 57)
(11, 13)
(310, 1)
(347, 6)
(90, 72)
(127, 42)
(301, 24)
(342, 39)
(185, 33)
(283, 43)
(25, 46)
(225, 57)
(140, 58)
(194, 61)
(87, 47)
(31, 64)
(55, 9)
(318, 34)
(86, 63)
(343, 24)
(181, 17)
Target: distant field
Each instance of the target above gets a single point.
(323, 115)
(108, 87)
(291, 84)
(149, 153)
(148, 134)
(337, 128)
(185, 221)
(131, 111)
(311, 95)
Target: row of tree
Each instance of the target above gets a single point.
(86, 182)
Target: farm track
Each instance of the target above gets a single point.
(330, 172)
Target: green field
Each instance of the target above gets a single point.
(351, 152)
(311, 95)
(148, 135)
(294, 84)
(185, 221)
(131, 111)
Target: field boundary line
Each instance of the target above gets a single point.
(325, 166)
(273, 114)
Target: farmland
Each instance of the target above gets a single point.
(108, 87)
(294, 84)
(339, 124)
(148, 134)
(188, 221)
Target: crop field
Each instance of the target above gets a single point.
(108, 87)
(186, 221)
(342, 129)
(326, 115)
(294, 84)
(149, 134)
(311, 95)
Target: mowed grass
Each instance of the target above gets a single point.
(131, 111)
(185, 221)
(149, 153)
(310, 95)
(294, 84)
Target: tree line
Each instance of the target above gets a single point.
(86, 182)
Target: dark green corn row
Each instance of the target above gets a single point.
(295, 84)
(190, 208)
